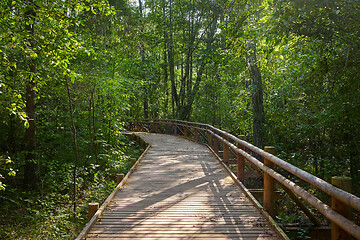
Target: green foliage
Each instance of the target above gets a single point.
(27, 215)
(84, 43)
(5, 169)
(182, 59)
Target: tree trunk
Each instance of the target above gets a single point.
(145, 89)
(140, 7)
(74, 141)
(94, 140)
(146, 103)
(30, 177)
(90, 129)
(172, 64)
(185, 111)
(165, 71)
(257, 94)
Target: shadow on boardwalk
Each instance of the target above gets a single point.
(180, 191)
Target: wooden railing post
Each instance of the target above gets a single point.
(92, 208)
(151, 126)
(142, 142)
(133, 161)
(196, 135)
(269, 186)
(225, 151)
(210, 140)
(119, 178)
(156, 126)
(343, 183)
(175, 129)
(216, 145)
(241, 162)
(185, 131)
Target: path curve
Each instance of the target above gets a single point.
(180, 191)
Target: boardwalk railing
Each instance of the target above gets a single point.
(223, 144)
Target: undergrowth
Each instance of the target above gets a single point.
(48, 212)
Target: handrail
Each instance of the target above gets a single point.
(337, 193)
(348, 198)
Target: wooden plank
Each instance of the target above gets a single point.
(180, 191)
(184, 234)
(234, 220)
(178, 231)
(177, 211)
(239, 237)
(95, 217)
(180, 226)
(158, 222)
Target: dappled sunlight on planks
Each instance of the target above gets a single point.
(180, 191)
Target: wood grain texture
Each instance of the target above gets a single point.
(180, 191)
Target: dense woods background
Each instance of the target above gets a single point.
(284, 73)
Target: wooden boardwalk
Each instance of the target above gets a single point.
(180, 191)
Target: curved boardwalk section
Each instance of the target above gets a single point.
(180, 191)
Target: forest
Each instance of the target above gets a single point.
(72, 72)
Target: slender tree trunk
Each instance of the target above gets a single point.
(146, 103)
(30, 177)
(74, 141)
(172, 63)
(140, 7)
(257, 94)
(95, 145)
(186, 110)
(112, 103)
(145, 89)
(91, 145)
(166, 64)
(169, 56)
(109, 129)
(166, 78)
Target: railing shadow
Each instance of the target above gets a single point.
(135, 214)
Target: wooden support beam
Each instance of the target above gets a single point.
(201, 135)
(251, 175)
(196, 135)
(269, 184)
(92, 209)
(302, 206)
(185, 131)
(259, 193)
(337, 233)
(240, 162)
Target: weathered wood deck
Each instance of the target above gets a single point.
(180, 191)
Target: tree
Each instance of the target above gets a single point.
(257, 94)
(30, 135)
(191, 25)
